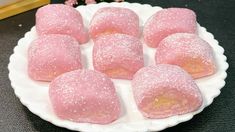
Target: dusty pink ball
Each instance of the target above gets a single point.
(85, 96)
(165, 90)
(166, 22)
(61, 19)
(188, 51)
(118, 55)
(114, 20)
(52, 55)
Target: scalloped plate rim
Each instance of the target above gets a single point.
(64, 123)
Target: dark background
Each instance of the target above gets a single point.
(216, 15)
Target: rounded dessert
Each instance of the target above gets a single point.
(51, 55)
(118, 55)
(165, 90)
(61, 19)
(114, 20)
(85, 96)
(166, 22)
(188, 51)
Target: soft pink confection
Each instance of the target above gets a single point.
(52, 55)
(165, 90)
(166, 22)
(114, 20)
(85, 96)
(118, 55)
(61, 19)
(188, 51)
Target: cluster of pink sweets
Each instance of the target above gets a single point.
(83, 95)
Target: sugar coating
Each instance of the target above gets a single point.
(61, 19)
(165, 90)
(52, 55)
(85, 96)
(188, 51)
(118, 55)
(114, 20)
(166, 22)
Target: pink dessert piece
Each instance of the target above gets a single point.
(118, 55)
(165, 90)
(114, 20)
(166, 22)
(61, 19)
(188, 51)
(85, 96)
(52, 55)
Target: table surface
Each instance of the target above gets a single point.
(216, 15)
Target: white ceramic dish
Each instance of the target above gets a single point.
(34, 95)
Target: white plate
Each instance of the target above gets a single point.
(34, 95)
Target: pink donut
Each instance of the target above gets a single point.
(118, 55)
(114, 20)
(61, 19)
(52, 55)
(85, 96)
(188, 51)
(165, 90)
(166, 22)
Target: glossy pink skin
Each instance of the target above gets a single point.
(182, 48)
(114, 20)
(166, 22)
(61, 19)
(170, 81)
(85, 96)
(115, 51)
(51, 55)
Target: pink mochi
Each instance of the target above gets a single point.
(51, 55)
(61, 19)
(114, 20)
(166, 22)
(118, 55)
(188, 51)
(165, 90)
(85, 96)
